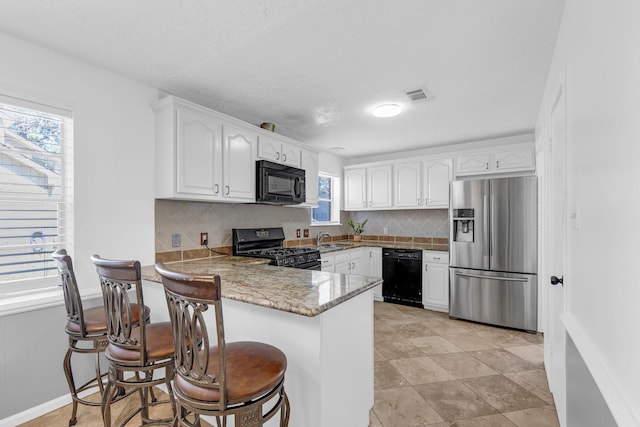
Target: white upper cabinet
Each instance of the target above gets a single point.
(238, 167)
(505, 160)
(278, 151)
(201, 155)
(198, 149)
(368, 188)
(437, 175)
(205, 155)
(355, 189)
(379, 181)
(407, 185)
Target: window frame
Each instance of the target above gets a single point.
(21, 294)
(334, 200)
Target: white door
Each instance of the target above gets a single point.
(554, 337)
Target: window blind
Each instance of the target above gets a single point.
(36, 209)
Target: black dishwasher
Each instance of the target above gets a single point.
(402, 276)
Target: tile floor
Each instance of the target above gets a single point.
(431, 370)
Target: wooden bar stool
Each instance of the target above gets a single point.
(216, 378)
(135, 351)
(86, 330)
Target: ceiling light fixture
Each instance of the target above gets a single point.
(387, 110)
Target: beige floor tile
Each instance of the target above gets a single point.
(397, 349)
(503, 361)
(373, 420)
(421, 370)
(533, 381)
(535, 417)
(503, 337)
(497, 420)
(533, 353)
(403, 407)
(449, 327)
(453, 400)
(434, 345)
(387, 376)
(503, 394)
(469, 341)
(462, 365)
(413, 330)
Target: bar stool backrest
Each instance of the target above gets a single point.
(189, 296)
(72, 299)
(121, 281)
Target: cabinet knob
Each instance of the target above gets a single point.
(217, 188)
(284, 157)
(228, 190)
(277, 156)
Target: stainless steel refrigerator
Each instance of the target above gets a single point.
(493, 251)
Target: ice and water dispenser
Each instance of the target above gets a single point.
(463, 225)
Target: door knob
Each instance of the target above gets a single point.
(555, 280)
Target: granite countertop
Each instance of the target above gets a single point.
(250, 280)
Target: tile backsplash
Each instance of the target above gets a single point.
(189, 219)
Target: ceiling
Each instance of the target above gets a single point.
(316, 68)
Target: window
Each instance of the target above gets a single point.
(35, 191)
(328, 210)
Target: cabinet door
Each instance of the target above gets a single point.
(290, 155)
(435, 287)
(239, 169)
(437, 175)
(327, 262)
(309, 163)
(359, 264)
(198, 149)
(355, 186)
(474, 164)
(269, 149)
(407, 188)
(343, 267)
(380, 189)
(375, 262)
(513, 160)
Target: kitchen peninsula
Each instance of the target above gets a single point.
(322, 321)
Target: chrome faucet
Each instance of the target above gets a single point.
(321, 235)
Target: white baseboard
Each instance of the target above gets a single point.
(36, 411)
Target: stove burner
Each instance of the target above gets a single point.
(261, 244)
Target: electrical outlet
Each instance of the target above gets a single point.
(204, 239)
(385, 230)
(306, 232)
(298, 233)
(175, 241)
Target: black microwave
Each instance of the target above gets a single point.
(279, 184)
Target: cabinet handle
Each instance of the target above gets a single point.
(228, 190)
(217, 188)
(486, 165)
(353, 265)
(418, 201)
(277, 156)
(426, 267)
(284, 157)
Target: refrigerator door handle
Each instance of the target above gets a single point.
(485, 231)
(492, 210)
(505, 279)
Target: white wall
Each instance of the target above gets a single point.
(597, 48)
(114, 205)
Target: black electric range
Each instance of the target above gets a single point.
(267, 243)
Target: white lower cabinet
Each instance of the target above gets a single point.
(435, 280)
(360, 261)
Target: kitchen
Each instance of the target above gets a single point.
(600, 317)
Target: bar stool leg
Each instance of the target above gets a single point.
(66, 364)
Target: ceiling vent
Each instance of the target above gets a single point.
(418, 95)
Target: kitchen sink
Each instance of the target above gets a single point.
(334, 246)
